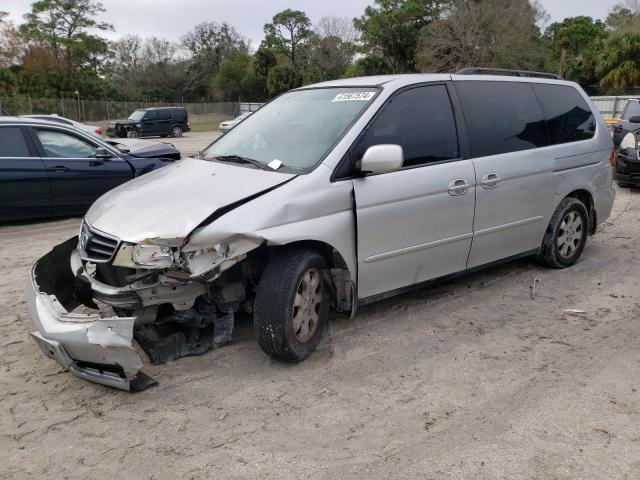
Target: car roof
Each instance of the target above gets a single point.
(396, 81)
(160, 108)
(33, 121)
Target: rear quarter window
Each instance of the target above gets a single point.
(501, 117)
(568, 116)
(12, 143)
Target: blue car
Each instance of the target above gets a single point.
(49, 170)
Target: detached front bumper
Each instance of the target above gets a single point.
(89, 346)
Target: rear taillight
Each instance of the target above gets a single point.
(188, 122)
(99, 131)
(612, 158)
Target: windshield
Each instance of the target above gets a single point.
(298, 128)
(137, 115)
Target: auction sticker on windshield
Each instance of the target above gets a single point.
(354, 97)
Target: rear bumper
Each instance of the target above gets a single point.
(627, 178)
(95, 348)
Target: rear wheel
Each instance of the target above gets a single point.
(176, 131)
(292, 305)
(566, 234)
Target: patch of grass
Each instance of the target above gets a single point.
(205, 127)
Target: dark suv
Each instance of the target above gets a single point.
(148, 122)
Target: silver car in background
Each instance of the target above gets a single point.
(229, 124)
(329, 197)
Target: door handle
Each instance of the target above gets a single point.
(490, 180)
(458, 187)
(59, 168)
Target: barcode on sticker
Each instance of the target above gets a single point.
(354, 97)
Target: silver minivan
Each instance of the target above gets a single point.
(329, 197)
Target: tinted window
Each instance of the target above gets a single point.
(501, 117)
(179, 113)
(568, 115)
(632, 110)
(164, 114)
(62, 145)
(421, 121)
(151, 115)
(12, 143)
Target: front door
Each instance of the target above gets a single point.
(77, 177)
(507, 135)
(149, 124)
(415, 224)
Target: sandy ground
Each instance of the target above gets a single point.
(473, 379)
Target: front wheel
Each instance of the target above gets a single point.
(566, 234)
(292, 305)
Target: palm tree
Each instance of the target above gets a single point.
(619, 63)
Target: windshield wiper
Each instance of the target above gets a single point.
(241, 159)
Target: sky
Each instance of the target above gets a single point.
(173, 18)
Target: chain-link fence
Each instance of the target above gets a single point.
(103, 110)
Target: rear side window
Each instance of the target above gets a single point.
(501, 117)
(179, 113)
(164, 114)
(421, 121)
(12, 143)
(569, 118)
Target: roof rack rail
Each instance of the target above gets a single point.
(503, 71)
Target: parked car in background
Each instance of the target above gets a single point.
(329, 197)
(50, 169)
(627, 170)
(624, 125)
(151, 122)
(93, 129)
(229, 124)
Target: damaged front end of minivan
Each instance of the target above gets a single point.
(173, 299)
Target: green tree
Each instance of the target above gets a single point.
(281, 79)
(227, 83)
(393, 28)
(571, 39)
(288, 33)
(64, 26)
(370, 65)
(619, 63)
(490, 33)
(208, 44)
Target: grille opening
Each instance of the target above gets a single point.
(97, 247)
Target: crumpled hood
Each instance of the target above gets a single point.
(170, 202)
(146, 148)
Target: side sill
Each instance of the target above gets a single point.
(399, 291)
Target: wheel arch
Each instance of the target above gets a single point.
(587, 199)
(343, 286)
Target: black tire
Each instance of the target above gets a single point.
(274, 304)
(550, 253)
(176, 131)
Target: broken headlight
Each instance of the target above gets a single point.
(152, 256)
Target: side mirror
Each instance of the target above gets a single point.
(382, 159)
(635, 119)
(102, 154)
